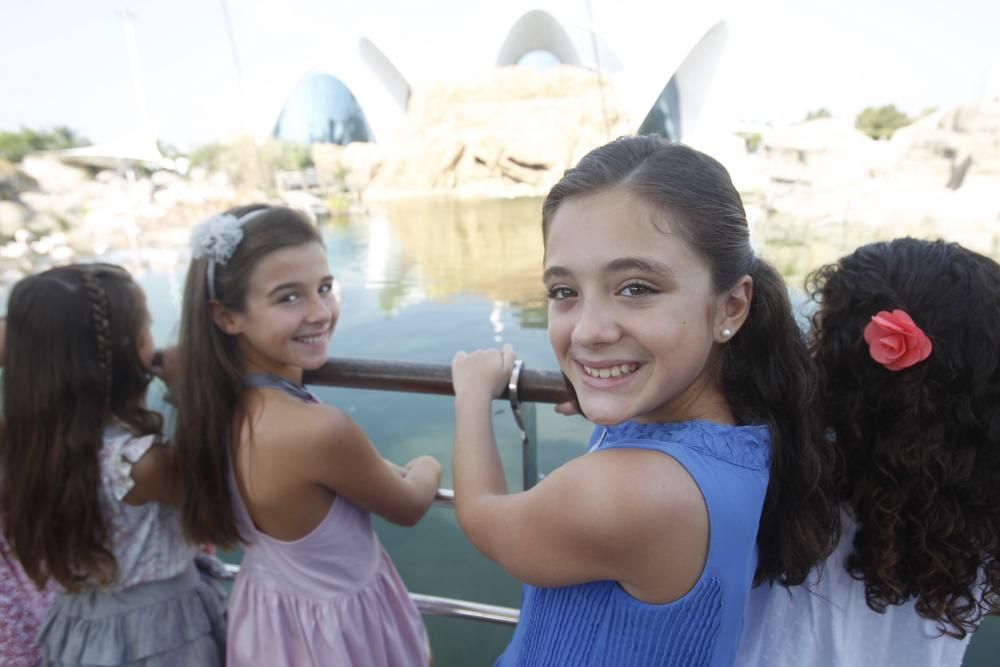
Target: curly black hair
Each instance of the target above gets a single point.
(918, 449)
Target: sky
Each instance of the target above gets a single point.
(66, 62)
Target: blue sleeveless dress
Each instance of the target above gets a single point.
(599, 624)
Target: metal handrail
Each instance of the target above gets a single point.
(444, 498)
(533, 387)
(477, 611)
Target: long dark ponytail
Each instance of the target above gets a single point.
(765, 370)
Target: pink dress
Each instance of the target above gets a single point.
(332, 597)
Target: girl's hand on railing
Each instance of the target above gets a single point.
(566, 408)
(484, 371)
(165, 365)
(425, 473)
(396, 468)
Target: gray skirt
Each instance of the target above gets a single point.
(177, 621)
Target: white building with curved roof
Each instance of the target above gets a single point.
(660, 57)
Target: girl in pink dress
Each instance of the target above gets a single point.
(270, 468)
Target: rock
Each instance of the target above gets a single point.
(42, 224)
(512, 132)
(823, 152)
(946, 148)
(12, 218)
(311, 205)
(163, 178)
(14, 181)
(358, 164)
(936, 177)
(52, 175)
(326, 159)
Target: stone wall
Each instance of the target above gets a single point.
(510, 133)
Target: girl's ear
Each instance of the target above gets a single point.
(224, 318)
(733, 309)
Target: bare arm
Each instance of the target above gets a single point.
(156, 479)
(165, 364)
(347, 463)
(623, 515)
(530, 534)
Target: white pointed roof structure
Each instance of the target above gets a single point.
(649, 50)
(139, 147)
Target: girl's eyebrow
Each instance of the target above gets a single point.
(555, 272)
(642, 264)
(293, 285)
(282, 286)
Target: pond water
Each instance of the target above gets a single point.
(421, 280)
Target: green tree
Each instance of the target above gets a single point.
(751, 140)
(286, 155)
(822, 112)
(209, 156)
(15, 145)
(881, 122)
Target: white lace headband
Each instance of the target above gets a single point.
(217, 239)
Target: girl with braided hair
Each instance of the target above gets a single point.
(87, 485)
(907, 341)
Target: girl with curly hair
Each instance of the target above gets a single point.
(907, 340)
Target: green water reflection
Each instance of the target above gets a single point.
(421, 280)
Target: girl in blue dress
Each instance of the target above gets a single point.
(706, 470)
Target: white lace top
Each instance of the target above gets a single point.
(827, 623)
(146, 540)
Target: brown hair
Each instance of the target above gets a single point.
(209, 389)
(72, 364)
(766, 372)
(918, 449)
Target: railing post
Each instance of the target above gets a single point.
(529, 414)
(527, 424)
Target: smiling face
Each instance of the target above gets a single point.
(289, 315)
(633, 317)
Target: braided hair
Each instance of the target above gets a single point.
(72, 366)
(99, 319)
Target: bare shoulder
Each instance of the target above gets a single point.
(297, 426)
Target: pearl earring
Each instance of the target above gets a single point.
(726, 333)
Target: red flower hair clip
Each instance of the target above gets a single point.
(895, 341)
